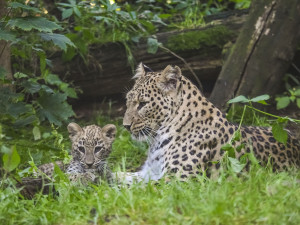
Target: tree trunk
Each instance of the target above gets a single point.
(262, 53)
(5, 62)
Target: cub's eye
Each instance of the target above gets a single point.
(141, 105)
(97, 149)
(81, 148)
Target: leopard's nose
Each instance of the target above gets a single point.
(127, 127)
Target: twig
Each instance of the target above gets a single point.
(296, 67)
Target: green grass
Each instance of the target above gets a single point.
(257, 197)
(260, 197)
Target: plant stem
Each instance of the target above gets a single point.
(268, 114)
(244, 110)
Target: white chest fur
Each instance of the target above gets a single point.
(153, 168)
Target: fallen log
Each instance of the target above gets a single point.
(108, 71)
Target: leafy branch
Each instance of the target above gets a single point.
(26, 29)
(279, 133)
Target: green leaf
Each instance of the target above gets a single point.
(240, 147)
(5, 149)
(17, 5)
(37, 23)
(31, 86)
(283, 120)
(69, 54)
(229, 148)
(54, 108)
(152, 44)
(67, 13)
(240, 98)
(7, 36)
(42, 56)
(58, 39)
(165, 16)
(36, 133)
(292, 98)
(260, 99)
(17, 109)
(20, 75)
(236, 135)
(59, 175)
(282, 102)
(25, 121)
(53, 79)
(297, 93)
(279, 133)
(11, 160)
(77, 12)
(157, 19)
(235, 165)
(69, 91)
(47, 89)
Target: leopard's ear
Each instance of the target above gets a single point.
(141, 70)
(169, 79)
(109, 132)
(74, 130)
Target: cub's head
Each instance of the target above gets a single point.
(91, 145)
(152, 101)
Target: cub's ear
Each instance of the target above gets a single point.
(169, 78)
(141, 70)
(109, 132)
(74, 130)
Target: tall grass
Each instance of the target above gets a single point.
(257, 197)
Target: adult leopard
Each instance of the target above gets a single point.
(186, 131)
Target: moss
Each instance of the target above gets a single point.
(212, 37)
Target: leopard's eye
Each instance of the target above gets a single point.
(81, 149)
(141, 105)
(97, 149)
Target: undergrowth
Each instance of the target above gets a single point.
(257, 197)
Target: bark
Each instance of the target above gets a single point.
(262, 53)
(109, 73)
(5, 61)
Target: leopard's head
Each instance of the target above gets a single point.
(91, 145)
(153, 100)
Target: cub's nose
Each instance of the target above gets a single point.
(89, 164)
(127, 127)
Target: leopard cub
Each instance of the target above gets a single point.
(91, 146)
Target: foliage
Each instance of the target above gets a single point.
(39, 145)
(105, 21)
(279, 133)
(132, 153)
(102, 22)
(292, 94)
(11, 158)
(40, 95)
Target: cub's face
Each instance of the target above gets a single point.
(151, 101)
(91, 145)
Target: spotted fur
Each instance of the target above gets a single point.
(91, 146)
(186, 131)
